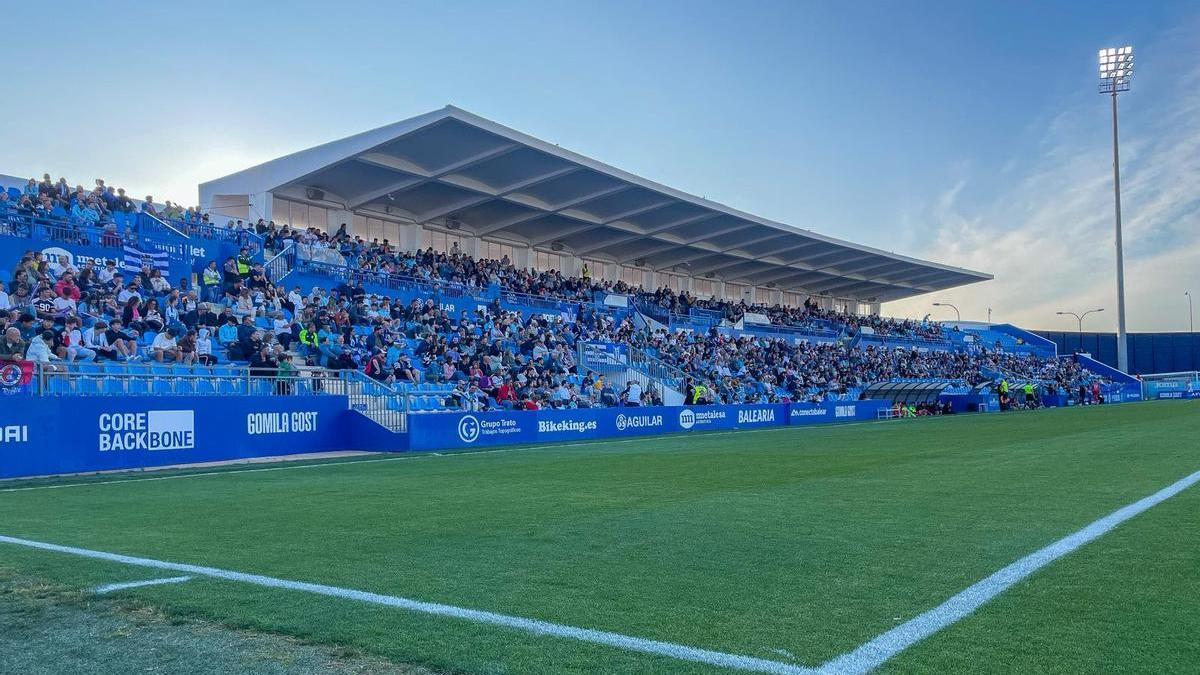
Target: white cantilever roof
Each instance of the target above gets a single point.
(451, 168)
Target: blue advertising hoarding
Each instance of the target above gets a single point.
(128, 432)
(477, 429)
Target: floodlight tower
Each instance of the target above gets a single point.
(1116, 70)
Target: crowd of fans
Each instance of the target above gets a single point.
(96, 206)
(51, 310)
(488, 358)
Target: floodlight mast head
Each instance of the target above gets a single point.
(1116, 69)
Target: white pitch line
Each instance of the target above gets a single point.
(534, 626)
(427, 455)
(110, 588)
(876, 652)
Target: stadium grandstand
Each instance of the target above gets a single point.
(449, 264)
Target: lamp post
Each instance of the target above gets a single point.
(957, 315)
(1079, 318)
(1116, 70)
(1191, 325)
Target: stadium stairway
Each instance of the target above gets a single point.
(377, 402)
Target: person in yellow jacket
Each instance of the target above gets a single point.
(210, 283)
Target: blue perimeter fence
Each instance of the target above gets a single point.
(132, 432)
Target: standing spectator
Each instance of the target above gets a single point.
(210, 282)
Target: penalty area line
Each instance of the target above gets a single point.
(879, 650)
(533, 626)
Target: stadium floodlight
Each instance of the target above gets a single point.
(1116, 71)
(957, 315)
(1079, 318)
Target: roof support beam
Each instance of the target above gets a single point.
(396, 164)
(840, 265)
(611, 241)
(685, 257)
(778, 275)
(571, 203)
(378, 193)
(718, 233)
(845, 289)
(757, 240)
(651, 251)
(654, 230)
(639, 210)
(383, 161)
(727, 271)
(513, 187)
(582, 227)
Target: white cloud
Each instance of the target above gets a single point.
(1048, 237)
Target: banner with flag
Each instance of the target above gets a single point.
(136, 258)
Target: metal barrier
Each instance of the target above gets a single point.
(247, 238)
(282, 264)
(540, 301)
(120, 379)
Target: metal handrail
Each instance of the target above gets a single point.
(156, 223)
(281, 264)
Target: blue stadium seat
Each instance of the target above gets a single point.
(262, 386)
(139, 385)
(205, 386)
(88, 385)
(161, 386)
(185, 386)
(14, 193)
(89, 368)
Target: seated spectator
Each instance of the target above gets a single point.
(125, 343)
(165, 347)
(12, 347)
(94, 338)
(74, 347)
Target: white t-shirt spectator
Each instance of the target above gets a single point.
(164, 342)
(635, 393)
(5, 304)
(125, 294)
(63, 306)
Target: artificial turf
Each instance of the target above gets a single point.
(793, 545)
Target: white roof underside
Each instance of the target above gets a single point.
(450, 167)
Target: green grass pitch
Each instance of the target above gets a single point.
(792, 545)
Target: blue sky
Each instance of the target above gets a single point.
(968, 133)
